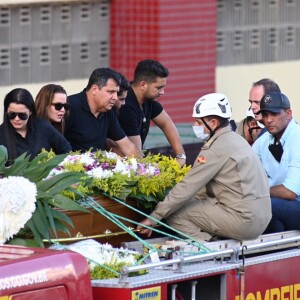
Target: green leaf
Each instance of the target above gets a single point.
(35, 232)
(49, 212)
(62, 217)
(62, 227)
(66, 203)
(3, 157)
(38, 170)
(18, 167)
(40, 221)
(58, 182)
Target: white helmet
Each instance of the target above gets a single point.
(214, 104)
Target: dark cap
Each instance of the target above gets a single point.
(274, 102)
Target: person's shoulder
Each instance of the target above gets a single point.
(293, 132)
(239, 127)
(155, 104)
(41, 123)
(74, 97)
(131, 99)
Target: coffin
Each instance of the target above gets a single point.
(95, 225)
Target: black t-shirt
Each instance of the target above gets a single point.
(136, 121)
(85, 131)
(41, 135)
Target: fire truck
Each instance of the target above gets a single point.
(267, 268)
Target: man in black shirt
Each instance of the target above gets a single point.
(91, 119)
(141, 106)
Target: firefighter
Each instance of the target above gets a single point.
(226, 193)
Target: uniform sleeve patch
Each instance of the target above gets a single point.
(201, 159)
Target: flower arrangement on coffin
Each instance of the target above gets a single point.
(61, 179)
(28, 201)
(149, 180)
(104, 260)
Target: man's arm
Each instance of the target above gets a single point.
(280, 191)
(165, 123)
(129, 148)
(136, 139)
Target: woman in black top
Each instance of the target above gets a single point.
(21, 131)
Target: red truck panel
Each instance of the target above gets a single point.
(32, 273)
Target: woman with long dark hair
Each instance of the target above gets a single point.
(51, 105)
(21, 130)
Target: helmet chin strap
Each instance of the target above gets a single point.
(212, 131)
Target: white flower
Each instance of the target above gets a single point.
(100, 173)
(54, 172)
(110, 155)
(97, 253)
(134, 163)
(86, 159)
(17, 204)
(122, 168)
(152, 170)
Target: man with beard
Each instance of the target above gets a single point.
(141, 106)
(278, 150)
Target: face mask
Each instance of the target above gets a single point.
(199, 132)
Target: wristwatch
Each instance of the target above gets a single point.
(181, 156)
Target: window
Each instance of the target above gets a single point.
(24, 54)
(4, 16)
(25, 15)
(103, 49)
(237, 4)
(44, 55)
(65, 53)
(255, 38)
(220, 41)
(273, 37)
(4, 58)
(290, 33)
(85, 11)
(45, 12)
(84, 52)
(237, 40)
(65, 13)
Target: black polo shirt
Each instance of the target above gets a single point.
(85, 131)
(40, 135)
(136, 120)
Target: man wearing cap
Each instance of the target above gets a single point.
(278, 150)
(226, 193)
(249, 128)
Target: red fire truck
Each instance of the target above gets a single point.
(264, 269)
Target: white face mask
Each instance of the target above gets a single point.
(199, 132)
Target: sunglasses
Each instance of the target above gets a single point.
(22, 116)
(58, 106)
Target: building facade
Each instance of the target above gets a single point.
(208, 46)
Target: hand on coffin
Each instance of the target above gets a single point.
(144, 230)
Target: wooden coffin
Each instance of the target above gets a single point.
(95, 225)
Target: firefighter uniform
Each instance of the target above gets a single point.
(225, 194)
